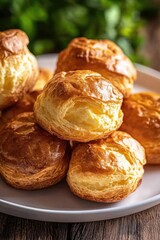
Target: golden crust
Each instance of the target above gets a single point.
(43, 77)
(31, 158)
(107, 170)
(79, 106)
(23, 105)
(102, 56)
(19, 68)
(142, 121)
(12, 42)
(26, 103)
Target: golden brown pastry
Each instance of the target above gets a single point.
(19, 69)
(102, 56)
(31, 158)
(26, 103)
(79, 106)
(142, 121)
(23, 105)
(107, 170)
(43, 77)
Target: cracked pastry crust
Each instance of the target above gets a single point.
(102, 56)
(79, 106)
(142, 121)
(31, 158)
(19, 68)
(107, 170)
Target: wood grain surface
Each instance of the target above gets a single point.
(141, 226)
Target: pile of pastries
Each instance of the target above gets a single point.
(80, 122)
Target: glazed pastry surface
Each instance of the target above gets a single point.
(31, 158)
(102, 56)
(107, 170)
(142, 121)
(79, 106)
(19, 69)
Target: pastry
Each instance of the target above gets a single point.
(19, 69)
(26, 103)
(23, 105)
(107, 170)
(102, 56)
(142, 121)
(43, 77)
(31, 158)
(79, 106)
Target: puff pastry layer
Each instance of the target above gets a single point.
(142, 121)
(31, 158)
(107, 170)
(80, 106)
(19, 69)
(102, 56)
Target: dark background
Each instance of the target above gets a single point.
(51, 24)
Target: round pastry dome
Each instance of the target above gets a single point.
(142, 121)
(79, 106)
(102, 56)
(30, 157)
(107, 170)
(19, 68)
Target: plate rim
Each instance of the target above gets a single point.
(147, 201)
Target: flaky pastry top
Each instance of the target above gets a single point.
(103, 52)
(144, 110)
(82, 83)
(117, 153)
(12, 42)
(79, 105)
(35, 148)
(107, 170)
(142, 121)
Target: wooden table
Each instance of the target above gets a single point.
(141, 226)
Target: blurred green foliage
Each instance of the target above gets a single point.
(51, 24)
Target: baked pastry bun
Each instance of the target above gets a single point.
(102, 56)
(142, 121)
(31, 158)
(107, 170)
(19, 69)
(79, 106)
(26, 103)
(43, 77)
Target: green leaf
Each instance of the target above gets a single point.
(26, 24)
(125, 45)
(42, 45)
(36, 12)
(76, 14)
(51, 24)
(112, 16)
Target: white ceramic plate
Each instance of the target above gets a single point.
(58, 204)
